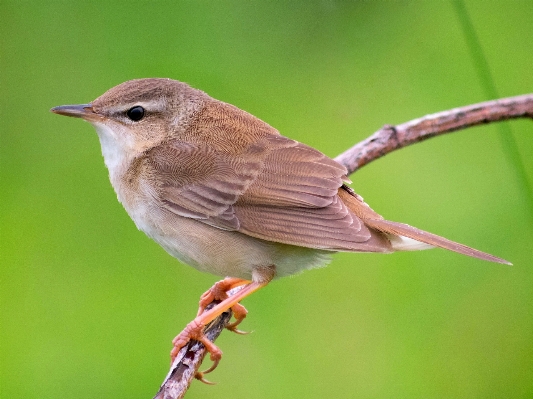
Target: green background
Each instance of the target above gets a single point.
(90, 305)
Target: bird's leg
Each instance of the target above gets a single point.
(194, 330)
(219, 292)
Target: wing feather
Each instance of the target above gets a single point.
(272, 188)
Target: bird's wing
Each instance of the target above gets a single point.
(195, 181)
(295, 200)
(275, 189)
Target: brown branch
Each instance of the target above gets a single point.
(384, 141)
(390, 138)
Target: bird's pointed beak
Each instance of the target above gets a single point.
(84, 111)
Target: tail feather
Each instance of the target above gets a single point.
(405, 230)
(399, 233)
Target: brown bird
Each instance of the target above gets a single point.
(224, 192)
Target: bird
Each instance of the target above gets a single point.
(227, 194)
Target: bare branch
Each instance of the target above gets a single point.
(384, 141)
(390, 138)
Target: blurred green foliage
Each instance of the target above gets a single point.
(89, 304)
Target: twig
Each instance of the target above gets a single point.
(384, 141)
(390, 138)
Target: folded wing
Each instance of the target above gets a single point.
(277, 189)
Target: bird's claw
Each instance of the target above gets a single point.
(215, 357)
(200, 377)
(233, 327)
(240, 332)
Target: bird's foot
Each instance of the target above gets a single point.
(194, 331)
(219, 292)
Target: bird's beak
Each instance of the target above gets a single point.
(84, 111)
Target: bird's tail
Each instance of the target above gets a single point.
(404, 230)
(402, 235)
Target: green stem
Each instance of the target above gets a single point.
(507, 140)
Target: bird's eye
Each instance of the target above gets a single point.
(135, 113)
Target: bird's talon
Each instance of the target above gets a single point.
(241, 332)
(216, 360)
(200, 376)
(233, 327)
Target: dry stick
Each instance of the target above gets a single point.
(390, 138)
(385, 140)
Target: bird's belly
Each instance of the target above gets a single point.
(222, 252)
(219, 252)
